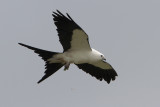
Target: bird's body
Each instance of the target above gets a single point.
(77, 51)
(76, 57)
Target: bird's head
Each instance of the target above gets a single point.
(103, 58)
(98, 55)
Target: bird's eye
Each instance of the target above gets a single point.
(101, 55)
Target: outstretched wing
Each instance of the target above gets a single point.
(100, 70)
(71, 35)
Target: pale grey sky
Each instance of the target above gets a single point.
(127, 32)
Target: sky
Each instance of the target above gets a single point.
(127, 32)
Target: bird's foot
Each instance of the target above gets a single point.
(66, 66)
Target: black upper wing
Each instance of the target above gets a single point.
(67, 28)
(99, 73)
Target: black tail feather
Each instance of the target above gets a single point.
(50, 69)
(45, 55)
(42, 53)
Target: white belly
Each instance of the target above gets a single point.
(77, 57)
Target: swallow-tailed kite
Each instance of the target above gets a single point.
(76, 51)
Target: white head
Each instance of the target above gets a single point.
(98, 55)
(103, 58)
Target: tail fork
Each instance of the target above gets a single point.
(45, 55)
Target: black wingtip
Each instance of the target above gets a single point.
(69, 17)
(57, 13)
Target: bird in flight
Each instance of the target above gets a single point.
(76, 50)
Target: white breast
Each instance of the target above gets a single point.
(79, 57)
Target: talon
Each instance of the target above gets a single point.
(66, 66)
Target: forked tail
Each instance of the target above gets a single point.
(45, 55)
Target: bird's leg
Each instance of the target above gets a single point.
(66, 66)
